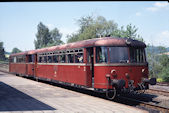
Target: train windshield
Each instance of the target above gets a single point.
(118, 54)
(137, 55)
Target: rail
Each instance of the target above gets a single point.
(156, 91)
(147, 105)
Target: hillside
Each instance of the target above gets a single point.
(156, 49)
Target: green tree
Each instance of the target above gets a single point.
(164, 73)
(15, 50)
(55, 37)
(158, 62)
(91, 27)
(161, 49)
(46, 38)
(2, 52)
(129, 32)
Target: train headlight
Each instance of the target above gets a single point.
(143, 70)
(113, 72)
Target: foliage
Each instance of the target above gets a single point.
(2, 52)
(16, 50)
(158, 62)
(164, 60)
(159, 80)
(91, 27)
(129, 32)
(46, 38)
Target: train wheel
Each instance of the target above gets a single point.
(111, 93)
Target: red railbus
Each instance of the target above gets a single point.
(102, 64)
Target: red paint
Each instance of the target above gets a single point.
(19, 68)
(78, 74)
(65, 73)
(134, 71)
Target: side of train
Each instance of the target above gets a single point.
(104, 64)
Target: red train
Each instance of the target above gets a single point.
(102, 64)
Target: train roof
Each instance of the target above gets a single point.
(18, 54)
(105, 41)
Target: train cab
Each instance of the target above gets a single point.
(120, 64)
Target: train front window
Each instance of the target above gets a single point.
(101, 54)
(118, 54)
(137, 55)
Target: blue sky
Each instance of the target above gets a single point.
(19, 20)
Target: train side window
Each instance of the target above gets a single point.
(62, 58)
(49, 59)
(29, 58)
(137, 55)
(23, 59)
(40, 59)
(55, 58)
(78, 57)
(70, 58)
(33, 60)
(17, 59)
(45, 59)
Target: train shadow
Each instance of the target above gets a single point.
(12, 99)
(119, 99)
(140, 97)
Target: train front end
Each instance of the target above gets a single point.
(122, 68)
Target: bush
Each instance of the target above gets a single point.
(159, 80)
(165, 74)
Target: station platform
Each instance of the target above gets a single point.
(21, 95)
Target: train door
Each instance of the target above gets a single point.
(90, 62)
(29, 65)
(35, 64)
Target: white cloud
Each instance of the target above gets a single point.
(157, 6)
(161, 4)
(138, 14)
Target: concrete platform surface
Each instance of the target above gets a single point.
(21, 95)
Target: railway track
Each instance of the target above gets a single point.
(128, 100)
(163, 83)
(156, 91)
(123, 99)
(146, 105)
